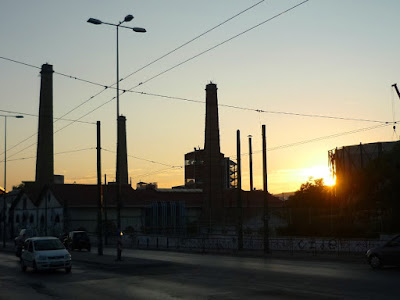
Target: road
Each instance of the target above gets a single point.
(171, 275)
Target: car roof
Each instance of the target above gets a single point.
(41, 238)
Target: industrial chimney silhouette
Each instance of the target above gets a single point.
(213, 207)
(45, 145)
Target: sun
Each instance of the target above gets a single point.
(320, 172)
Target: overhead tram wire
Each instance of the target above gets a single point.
(145, 66)
(219, 44)
(263, 111)
(58, 153)
(37, 116)
(165, 71)
(72, 122)
(318, 139)
(155, 172)
(148, 160)
(35, 134)
(111, 86)
(192, 40)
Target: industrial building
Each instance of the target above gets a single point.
(346, 163)
(205, 199)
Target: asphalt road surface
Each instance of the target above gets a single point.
(170, 275)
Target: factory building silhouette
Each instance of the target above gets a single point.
(206, 198)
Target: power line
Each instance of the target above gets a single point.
(155, 172)
(37, 116)
(34, 134)
(165, 71)
(148, 160)
(261, 110)
(19, 62)
(192, 40)
(317, 139)
(145, 66)
(58, 153)
(219, 44)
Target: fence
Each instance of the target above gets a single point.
(230, 244)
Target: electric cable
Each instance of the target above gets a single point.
(144, 159)
(58, 153)
(316, 139)
(155, 172)
(192, 40)
(220, 44)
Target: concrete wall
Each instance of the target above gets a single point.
(228, 244)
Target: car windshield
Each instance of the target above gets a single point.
(53, 244)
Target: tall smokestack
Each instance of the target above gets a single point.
(45, 145)
(213, 162)
(211, 143)
(122, 156)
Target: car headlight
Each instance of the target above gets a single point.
(67, 256)
(41, 257)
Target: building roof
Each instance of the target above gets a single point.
(85, 196)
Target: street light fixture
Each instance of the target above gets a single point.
(5, 173)
(128, 18)
(94, 21)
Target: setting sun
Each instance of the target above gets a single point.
(320, 172)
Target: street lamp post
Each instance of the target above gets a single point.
(128, 18)
(5, 174)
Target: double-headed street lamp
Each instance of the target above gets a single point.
(5, 173)
(128, 18)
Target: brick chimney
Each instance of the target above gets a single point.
(213, 161)
(45, 144)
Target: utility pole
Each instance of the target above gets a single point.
(99, 202)
(239, 195)
(251, 163)
(265, 217)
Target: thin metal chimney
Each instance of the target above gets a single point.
(45, 145)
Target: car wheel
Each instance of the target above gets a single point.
(23, 266)
(375, 262)
(68, 270)
(34, 266)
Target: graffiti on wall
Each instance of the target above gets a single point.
(222, 243)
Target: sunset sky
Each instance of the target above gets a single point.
(332, 58)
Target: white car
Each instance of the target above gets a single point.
(45, 253)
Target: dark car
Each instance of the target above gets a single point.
(387, 254)
(77, 240)
(20, 239)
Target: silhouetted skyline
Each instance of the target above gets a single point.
(321, 58)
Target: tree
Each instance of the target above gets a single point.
(308, 209)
